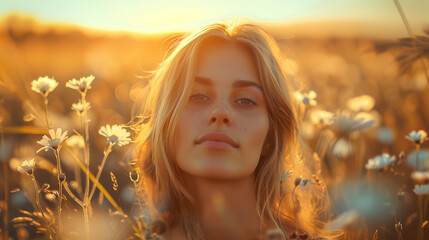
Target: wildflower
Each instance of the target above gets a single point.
(297, 181)
(345, 122)
(361, 103)
(341, 148)
(306, 98)
(380, 162)
(80, 107)
(276, 233)
(421, 189)
(82, 85)
(305, 183)
(75, 141)
(55, 140)
(27, 166)
(423, 157)
(50, 197)
(322, 117)
(44, 85)
(385, 135)
(417, 137)
(420, 176)
(62, 177)
(286, 175)
(115, 134)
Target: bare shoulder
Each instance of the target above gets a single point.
(291, 232)
(304, 235)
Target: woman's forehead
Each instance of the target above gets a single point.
(222, 58)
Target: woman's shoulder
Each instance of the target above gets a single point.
(288, 232)
(304, 235)
(292, 232)
(278, 234)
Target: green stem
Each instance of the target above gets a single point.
(60, 190)
(85, 132)
(425, 206)
(36, 188)
(417, 157)
(420, 229)
(97, 178)
(66, 187)
(78, 180)
(45, 98)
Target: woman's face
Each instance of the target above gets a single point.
(223, 126)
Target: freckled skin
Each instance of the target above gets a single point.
(220, 106)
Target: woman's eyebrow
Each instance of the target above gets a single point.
(245, 83)
(235, 84)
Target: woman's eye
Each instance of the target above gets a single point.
(198, 98)
(246, 101)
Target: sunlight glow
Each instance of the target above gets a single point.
(153, 16)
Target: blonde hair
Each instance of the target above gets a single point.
(162, 102)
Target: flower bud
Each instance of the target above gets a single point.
(62, 177)
(297, 181)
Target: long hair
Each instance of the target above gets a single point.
(163, 100)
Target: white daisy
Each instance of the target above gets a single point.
(341, 148)
(423, 158)
(417, 137)
(275, 234)
(346, 122)
(385, 135)
(286, 175)
(322, 117)
(51, 197)
(380, 162)
(420, 176)
(82, 85)
(44, 85)
(76, 141)
(421, 189)
(305, 183)
(361, 103)
(115, 134)
(80, 107)
(27, 166)
(54, 142)
(306, 98)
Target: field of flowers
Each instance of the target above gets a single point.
(66, 98)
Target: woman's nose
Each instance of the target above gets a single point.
(220, 114)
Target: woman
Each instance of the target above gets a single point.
(219, 133)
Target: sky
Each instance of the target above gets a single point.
(154, 16)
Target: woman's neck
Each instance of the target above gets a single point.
(227, 208)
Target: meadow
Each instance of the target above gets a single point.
(359, 101)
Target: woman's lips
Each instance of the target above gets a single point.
(217, 140)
